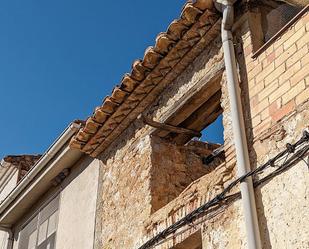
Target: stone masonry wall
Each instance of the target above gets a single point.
(129, 186)
(275, 87)
(124, 199)
(284, 125)
(173, 169)
(225, 228)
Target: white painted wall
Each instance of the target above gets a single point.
(76, 222)
(3, 239)
(8, 181)
(76, 217)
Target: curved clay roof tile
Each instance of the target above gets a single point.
(176, 30)
(203, 4)
(138, 70)
(128, 84)
(91, 126)
(77, 144)
(172, 53)
(109, 106)
(163, 44)
(100, 116)
(83, 136)
(190, 13)
(119, 95)
(151, 58)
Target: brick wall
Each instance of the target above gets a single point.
(278, 78)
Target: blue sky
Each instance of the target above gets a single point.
(60, 58)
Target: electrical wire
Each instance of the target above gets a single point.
(223, 198)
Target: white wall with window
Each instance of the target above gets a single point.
(40, 231)
(65, 220)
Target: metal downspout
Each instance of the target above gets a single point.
(240, 140)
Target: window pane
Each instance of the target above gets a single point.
(40, 232)
(32, 240)
(48, 219)
(43, 231)
(274, 18)
(52, 223)
(49, 243)
(28, 235)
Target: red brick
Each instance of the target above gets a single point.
(248, 50)
(254, 101)
(271, 57)
(284, 111)
(274, 107)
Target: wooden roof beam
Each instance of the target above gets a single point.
(170, 128)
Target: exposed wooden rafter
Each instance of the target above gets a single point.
(170, 128)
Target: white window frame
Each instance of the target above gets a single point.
(43, 215)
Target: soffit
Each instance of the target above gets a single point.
(173, 51)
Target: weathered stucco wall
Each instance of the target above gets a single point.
(77, 206)
(283, 202)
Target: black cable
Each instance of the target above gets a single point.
(217, 200)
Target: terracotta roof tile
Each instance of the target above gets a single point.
(173, 51)
(22, 162)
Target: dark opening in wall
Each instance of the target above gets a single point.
(275, 15)
(201, 113)
(178, 158)
(192, 242)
